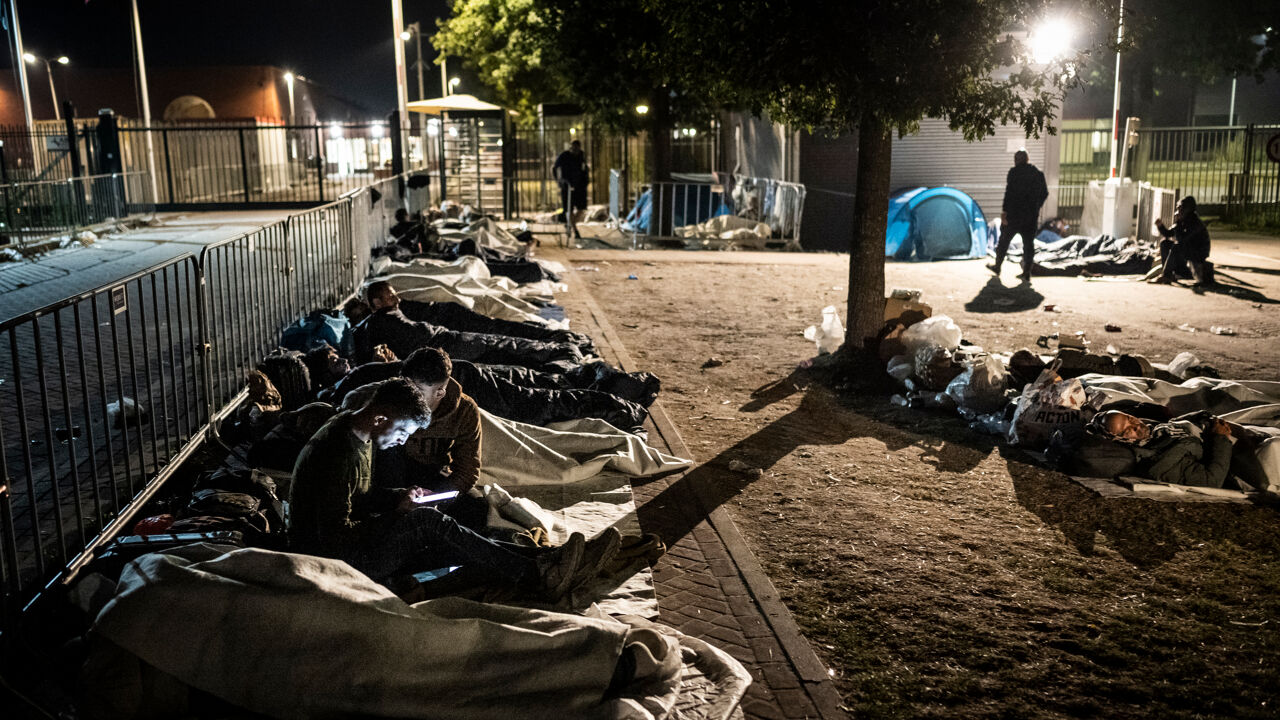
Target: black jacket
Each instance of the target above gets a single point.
(1191, 235)
(1024, 192)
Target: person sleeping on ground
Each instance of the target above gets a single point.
(1194, 449)
(337, 512)
(641, 388)
(325, 367)
(387, 325)
(498, 395)
(459, 317)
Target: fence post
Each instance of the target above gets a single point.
(69, 115)
(109, 141)
(244, 166)
(168, 164)
(319, 167)
(397, 142)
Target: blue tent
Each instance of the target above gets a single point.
(934, 224)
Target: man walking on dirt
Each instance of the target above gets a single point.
(1024, 192)
(571, 172)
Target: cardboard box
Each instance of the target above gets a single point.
(914, 312)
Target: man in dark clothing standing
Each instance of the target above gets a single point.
(1186, 242)
(1024, 192)
(571, 172)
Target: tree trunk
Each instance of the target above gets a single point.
(866, 249)
(660, 134)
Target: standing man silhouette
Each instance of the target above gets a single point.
(571, 173)
(1024, 192)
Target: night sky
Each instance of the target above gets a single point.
(344, 46)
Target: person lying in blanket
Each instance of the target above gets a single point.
(337, 512)
(388, 325)
(1193, 449)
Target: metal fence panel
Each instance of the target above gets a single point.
(104, 390)
(37, 210)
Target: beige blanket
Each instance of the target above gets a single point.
(294, 636)
(514, 454)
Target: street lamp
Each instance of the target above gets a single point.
(48, 72)
(453, 84)
(288, 83)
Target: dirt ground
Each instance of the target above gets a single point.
(936, 571)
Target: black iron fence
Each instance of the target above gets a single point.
(106, 392)
(49, 208)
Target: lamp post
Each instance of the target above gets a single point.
(288, 83)
(453, 83)
(48, 72)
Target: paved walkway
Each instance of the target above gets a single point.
(48, 278)
(709, 584)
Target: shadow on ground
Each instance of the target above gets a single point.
(1145, 532)
(996, 297)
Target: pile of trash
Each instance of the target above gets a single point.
(1044, 403)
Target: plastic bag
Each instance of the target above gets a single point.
(900, 367)
(1181, 363)
(830, 334)
(938, 330)
(934, 367)
(1049, 404)
(981, 386)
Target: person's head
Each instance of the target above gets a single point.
(381, 295)
(430, 369)
(402, 215)
(1125, 426)
(397, 410)
(1020, 157)
(356, 309)
(1186, 207)
(325, 364)
(575, 146)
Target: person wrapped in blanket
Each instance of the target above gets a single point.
(388, 325)
(1193, 449)
(507, 394)
(337, 512)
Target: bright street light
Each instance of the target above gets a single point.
(1051, 40)
(642, 109)
(48, 72)
(405, 35)
(453, 84)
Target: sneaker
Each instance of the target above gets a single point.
(558, 567)
(599, 554)
(995, 269)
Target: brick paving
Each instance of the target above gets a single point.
(709, 584)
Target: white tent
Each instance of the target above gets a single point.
(435, 106)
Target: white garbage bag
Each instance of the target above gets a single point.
(830, 334)
(938, 330)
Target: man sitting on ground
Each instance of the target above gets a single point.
(1187, 242)
(387, 325)
(407, 233)
(336, 512)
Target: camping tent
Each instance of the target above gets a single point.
(934, 224)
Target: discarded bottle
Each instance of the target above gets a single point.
(898, 400)
(1222, 330)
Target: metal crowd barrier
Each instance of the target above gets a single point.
(104, 394)
(673, 208)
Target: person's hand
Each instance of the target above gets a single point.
(1160, 223)
(1220, 427)
(409, 501)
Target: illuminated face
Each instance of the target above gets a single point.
(393, 433)
(338, 365)
(435, 393)
(1127, 427)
